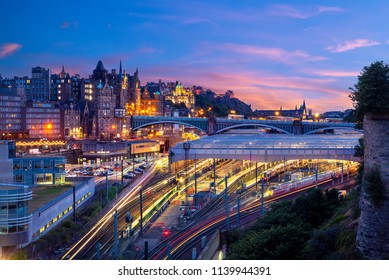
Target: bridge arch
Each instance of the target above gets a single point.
(333, 127)
(172, 122)
(253, 124)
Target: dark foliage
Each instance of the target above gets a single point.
(284, 232)
(371, 93)
(221, 105)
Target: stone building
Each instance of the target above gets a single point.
(104, 117)
(181, 95)
(72, 122)
(40, 85)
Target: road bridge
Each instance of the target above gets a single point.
(267, 148)
(218, 125)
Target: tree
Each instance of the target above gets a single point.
(371, 93)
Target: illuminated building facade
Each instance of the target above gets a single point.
(10, 116)
(43, 120)
(87, 90)
(64, 87)
(181, 95)
(72, 122)
(149, 103)
(106, 124)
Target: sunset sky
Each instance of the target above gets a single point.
(269, 53)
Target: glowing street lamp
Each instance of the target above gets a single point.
(8, 128)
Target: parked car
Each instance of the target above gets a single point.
(132, 175)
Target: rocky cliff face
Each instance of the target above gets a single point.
(373, 231)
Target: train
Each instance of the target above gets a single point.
(279, 168)
(287, 187)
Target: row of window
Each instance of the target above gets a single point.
(45, 178)
(37, 122)
(10, 212)
(6, 129)
(37, 164)
(6, 108)
(4, 229)
(19, 208)
(10, 104)
(60, 215)
(10, 97)
(43, 110)
(10, 115)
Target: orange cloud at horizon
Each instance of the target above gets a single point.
(267, 91)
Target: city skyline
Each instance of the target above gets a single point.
(270, 55)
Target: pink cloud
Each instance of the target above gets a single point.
(289, 11)
(331, 73)
(67, 24)
(263, 90)
(350, 45)
(147, 50)
(8, 49)
(198, 20)
(276, 54)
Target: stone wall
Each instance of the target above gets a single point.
(373, 231)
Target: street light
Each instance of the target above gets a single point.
(250, 158)
(8, 127)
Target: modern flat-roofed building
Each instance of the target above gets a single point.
(143, 148)
(98, 152)
(15, 218)
(20, 177)
(39, 170)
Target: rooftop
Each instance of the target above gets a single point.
(41, 195)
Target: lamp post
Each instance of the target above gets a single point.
(250, 159)
(256, 178)
(227, 202)
(263, 198)
(78, 166)
(141, 209)
(195, 181)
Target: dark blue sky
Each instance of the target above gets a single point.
(269, 53)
